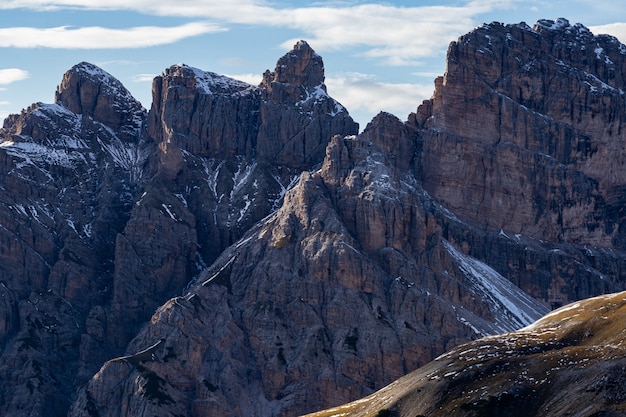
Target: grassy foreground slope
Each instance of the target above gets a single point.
(570, 362)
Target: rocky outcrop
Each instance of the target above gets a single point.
(520, 129)
(570, 362)
(294, 95)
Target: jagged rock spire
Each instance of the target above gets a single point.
(301, 67)
(89, 90)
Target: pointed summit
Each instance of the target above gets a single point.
(89, 90)
(301, 66)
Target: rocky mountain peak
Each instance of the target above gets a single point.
(299, 71)
(501, 80)
(309, 265)
(559, 25)
(89, 90)
(396, 139)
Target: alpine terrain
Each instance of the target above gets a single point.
(570, 362)
(241, 250)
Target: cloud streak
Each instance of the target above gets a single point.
(96, 37)
(393, 34)
(11, 75)
(616, 29)
(363, 95)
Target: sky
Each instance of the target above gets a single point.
(378, 55)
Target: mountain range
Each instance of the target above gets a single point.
(246, 250)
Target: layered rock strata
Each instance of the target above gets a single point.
(525, 130)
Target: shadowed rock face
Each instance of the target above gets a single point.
(305, 265)
(570, 362)
(68, 184)
(219, 171)
(110, 211)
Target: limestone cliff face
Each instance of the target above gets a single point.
(525, 131)
(68, 185)
(204, 113)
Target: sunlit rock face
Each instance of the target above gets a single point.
(525, 132)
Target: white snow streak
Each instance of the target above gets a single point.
(512, 307)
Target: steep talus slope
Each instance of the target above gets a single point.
(571, 362)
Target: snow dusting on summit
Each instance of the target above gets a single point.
(209, 81)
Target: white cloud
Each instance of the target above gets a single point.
(254, 79)
(95, 37)
(396, 35)
(364, 96)
(190, 8)
(11, 75)
(143, 78)
(616, 29)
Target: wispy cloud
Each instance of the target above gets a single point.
(96, 37)
(616, 29)
(143, 78)
(393, 34)
(11, 75)
(362, 93)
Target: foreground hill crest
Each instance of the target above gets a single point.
(569, 362)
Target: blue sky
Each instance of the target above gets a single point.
(377, 55)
